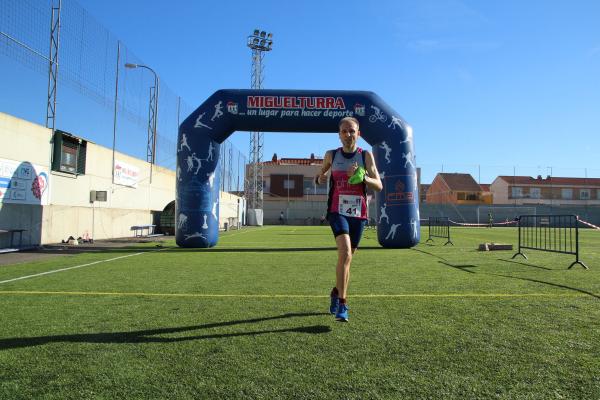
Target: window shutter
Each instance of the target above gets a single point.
(56, 150)
(81, 158)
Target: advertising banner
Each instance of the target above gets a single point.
(126, 174)
(23, 182)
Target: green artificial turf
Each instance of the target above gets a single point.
(248, 319)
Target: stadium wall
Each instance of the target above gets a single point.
(63, 208)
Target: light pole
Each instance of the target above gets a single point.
(151, 147)
(551, 188)
(258, 42)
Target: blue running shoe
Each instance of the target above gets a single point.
(335, 302)
(342, 313)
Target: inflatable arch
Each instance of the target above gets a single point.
(227, 111)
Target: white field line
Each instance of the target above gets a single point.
(77, 266)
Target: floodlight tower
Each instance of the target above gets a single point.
(53, 66)
(259, 42)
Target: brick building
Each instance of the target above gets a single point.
(550, 190)
(456, 188)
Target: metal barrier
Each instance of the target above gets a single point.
(439, 227)
(553, 233)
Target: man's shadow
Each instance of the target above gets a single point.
(149, 336)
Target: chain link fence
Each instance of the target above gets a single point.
(91, 78)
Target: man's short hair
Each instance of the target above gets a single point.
(348, 119)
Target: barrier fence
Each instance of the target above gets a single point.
(551, 233)
(439, 227)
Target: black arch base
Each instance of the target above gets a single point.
(227, 111)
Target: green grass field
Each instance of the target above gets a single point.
(248, 319)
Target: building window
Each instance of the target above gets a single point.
(69, 153)
(288, 184)
(472, 196)
(68, 158)
(308, 185)
(517, 192)
(566, 194)
(323, 188)
(535, 193)
(584, 194)
(460, 196)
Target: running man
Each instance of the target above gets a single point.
(383, 214)
(218, 112)
(347, 205)
(387, 149)
(184, 143)
(199, 123)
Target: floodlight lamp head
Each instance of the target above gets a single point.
(263, 34)
(270, 36)
(256, 32)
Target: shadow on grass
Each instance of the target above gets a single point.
(429, 254)
(549, 284)
(148, 336)
(258, 249)
(68, 250)
(41, 254)
(109, 250)
(460, 267)
(464, 269)
(275, 250)
(526, 264)
(305, 234)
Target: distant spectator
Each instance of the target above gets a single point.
(281, 218)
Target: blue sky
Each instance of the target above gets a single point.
(489, 87)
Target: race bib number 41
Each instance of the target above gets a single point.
(350, 206)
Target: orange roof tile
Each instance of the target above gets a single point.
(462, 182)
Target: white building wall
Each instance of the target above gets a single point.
(499, 189)
(21, 140)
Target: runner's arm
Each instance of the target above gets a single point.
(372, 179)
(321, 177)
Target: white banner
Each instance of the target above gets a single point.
(23, 182)
(126, 174)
